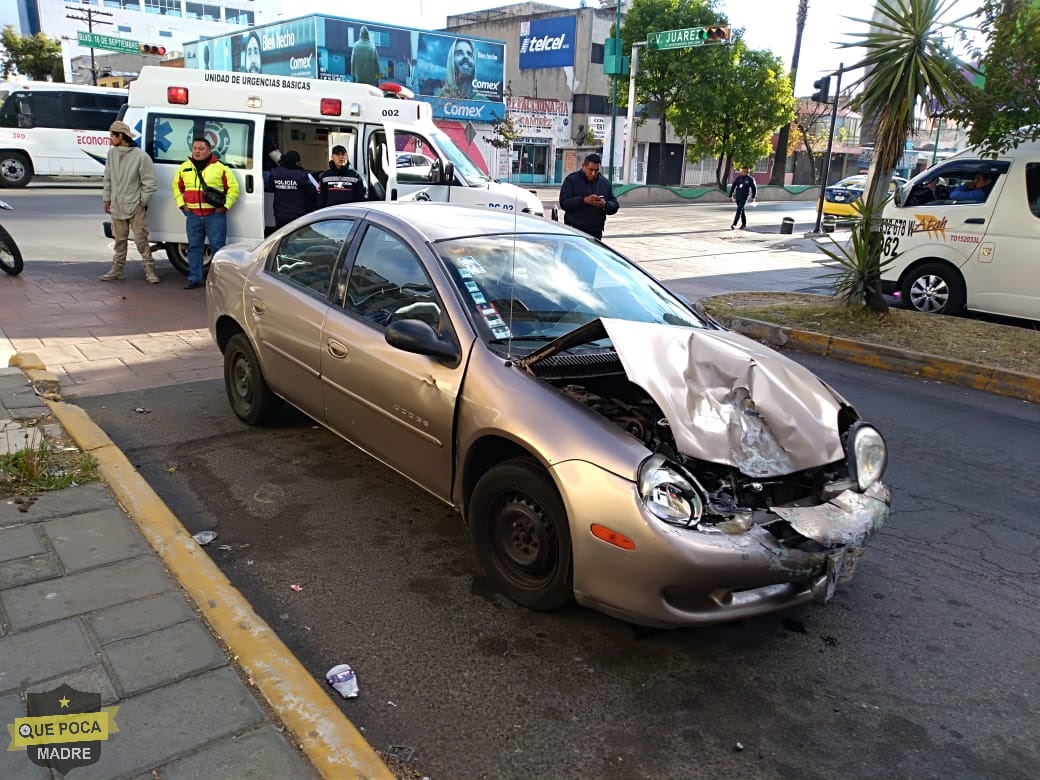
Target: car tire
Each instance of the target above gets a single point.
(16, 170)
(10, 256)
(251, 399)
(934, 288)
(177, 254)
(521, 535)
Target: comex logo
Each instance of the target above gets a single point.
(460, 110)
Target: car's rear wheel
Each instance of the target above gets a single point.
(934, 288)
(250, 397)
(521, 535)
(178, 257)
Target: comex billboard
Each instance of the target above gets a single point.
(461, 77)
(547, 43)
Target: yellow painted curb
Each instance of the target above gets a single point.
(332, 743)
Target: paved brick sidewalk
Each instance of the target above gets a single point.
(101, 338)
(84, 601)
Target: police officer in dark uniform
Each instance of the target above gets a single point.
(295, 190)
(340, 183)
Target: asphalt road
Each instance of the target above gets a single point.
(924, 667)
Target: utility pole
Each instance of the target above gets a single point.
(613, 99)
(90, 13)
(780, 158)
(630, 125)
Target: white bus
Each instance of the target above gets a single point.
(245, 115)
(53, 129)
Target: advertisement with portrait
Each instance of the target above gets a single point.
(459, 68)
(462, 78)
(282, 49)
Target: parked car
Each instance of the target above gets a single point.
(839, 197)
(602, 441)
(414, 166)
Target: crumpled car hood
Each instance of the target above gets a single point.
(727, 399)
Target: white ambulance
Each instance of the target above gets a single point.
(965, 242)
(246, 115)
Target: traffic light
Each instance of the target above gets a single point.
(149, 48)
(713, 34)
(823, 90)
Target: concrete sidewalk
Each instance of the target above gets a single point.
(86, 601)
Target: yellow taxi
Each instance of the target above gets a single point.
(839, 197)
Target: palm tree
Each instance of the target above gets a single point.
(906, 61)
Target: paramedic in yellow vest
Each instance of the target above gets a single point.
(198, 173)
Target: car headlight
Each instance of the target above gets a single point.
(667, 494)
(867, 455)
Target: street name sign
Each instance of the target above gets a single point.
(675, 39)
(684, 39)
(107, 42)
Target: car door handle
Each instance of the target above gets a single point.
(975, 221)
(258, 306)
(337, 349)
(249, 182)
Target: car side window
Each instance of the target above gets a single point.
(168, 139)
(413, 163)
(388, 283)
(307, 257)
(1033, 187)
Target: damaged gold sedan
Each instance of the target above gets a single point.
(603, 442)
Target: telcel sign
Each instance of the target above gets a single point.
(547, 43)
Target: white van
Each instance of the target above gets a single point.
(52, 129)
(245, 115)
(953, 254)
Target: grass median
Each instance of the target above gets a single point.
(960, 338)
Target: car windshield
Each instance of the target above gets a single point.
(464, 167)
(528, 289)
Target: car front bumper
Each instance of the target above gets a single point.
(678, 577)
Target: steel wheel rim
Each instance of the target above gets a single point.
(13, 171)
(525, 543)
(242, 380)
(929, 293)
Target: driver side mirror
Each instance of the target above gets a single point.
(445, 175)
(420, 338)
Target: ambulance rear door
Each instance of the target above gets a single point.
(237, 139)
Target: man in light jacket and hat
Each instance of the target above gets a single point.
(129, 186)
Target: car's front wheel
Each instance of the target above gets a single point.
(934, 288)
(250, 397)
(521, 535)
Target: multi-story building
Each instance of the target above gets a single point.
(160, 23)
(556, 58)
